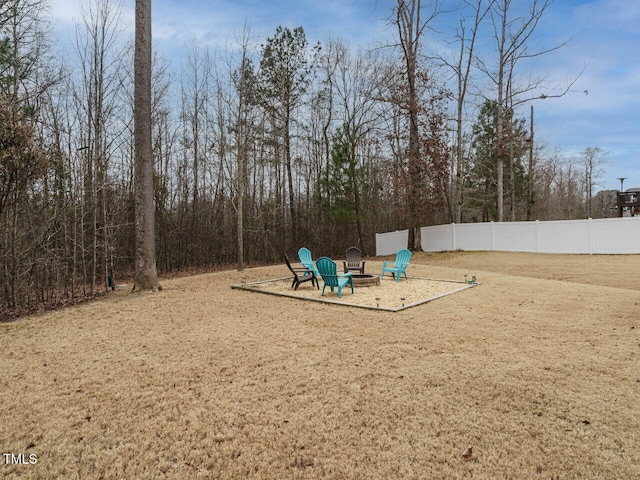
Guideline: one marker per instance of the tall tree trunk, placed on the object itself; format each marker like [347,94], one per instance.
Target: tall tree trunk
[501,109]
[146,277]
[409,29]
[287,156]
[530,178]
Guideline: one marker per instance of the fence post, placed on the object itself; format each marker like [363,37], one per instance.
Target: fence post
[590,235]
[537,236]
[454,240]
[493,236]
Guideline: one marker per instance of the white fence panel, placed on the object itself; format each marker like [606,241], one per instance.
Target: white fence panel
[439,238]
[515,237]
[564,236]
[391,242]
[601,236]
[467,238]
[616,235]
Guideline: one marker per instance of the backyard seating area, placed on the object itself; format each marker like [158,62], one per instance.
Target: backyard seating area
[365,290]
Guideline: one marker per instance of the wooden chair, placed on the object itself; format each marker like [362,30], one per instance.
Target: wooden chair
[329,273]
[301,275]
[353,260]
[398,267]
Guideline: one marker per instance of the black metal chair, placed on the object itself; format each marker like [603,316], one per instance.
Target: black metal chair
[354,260]
[301,275]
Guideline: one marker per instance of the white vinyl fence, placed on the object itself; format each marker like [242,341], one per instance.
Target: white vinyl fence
[391,242]
[601,236]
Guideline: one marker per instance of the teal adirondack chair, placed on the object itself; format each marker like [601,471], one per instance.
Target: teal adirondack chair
[304,254]
[398,267]
[329,273]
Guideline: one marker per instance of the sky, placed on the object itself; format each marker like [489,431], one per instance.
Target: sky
[602,108]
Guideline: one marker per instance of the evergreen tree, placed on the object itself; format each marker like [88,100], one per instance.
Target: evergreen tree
[344,181]
[482,185]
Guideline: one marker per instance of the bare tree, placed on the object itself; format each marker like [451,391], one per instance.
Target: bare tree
[97,92]
[411,27]
[513,35]
[462,67]
[287,66]
[146,277]
[245,84]
[592,158]
[356,82]
[561,188]
[410,30]
[196,98]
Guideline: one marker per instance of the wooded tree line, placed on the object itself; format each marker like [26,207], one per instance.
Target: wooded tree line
[262,148]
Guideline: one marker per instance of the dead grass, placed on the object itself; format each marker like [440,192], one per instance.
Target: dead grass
[537,368]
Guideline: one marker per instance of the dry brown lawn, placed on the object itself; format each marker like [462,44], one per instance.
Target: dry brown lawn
[537,368]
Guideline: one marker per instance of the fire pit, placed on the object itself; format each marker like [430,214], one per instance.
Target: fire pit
[364,280]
